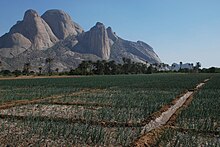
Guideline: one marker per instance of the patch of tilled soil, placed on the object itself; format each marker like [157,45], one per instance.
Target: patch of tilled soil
[58,111]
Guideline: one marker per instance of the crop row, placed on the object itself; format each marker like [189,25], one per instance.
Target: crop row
[132,98]
[199,123]
[36,132]
[38,88]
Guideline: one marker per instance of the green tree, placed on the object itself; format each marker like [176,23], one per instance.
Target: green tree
[57,70]
[49,62]
[212,69]
[40,70]
[197,67]
[26,68]
[99,67]
[85,68]
[126,66]
[181,64]
[0,65]
[150,69]
[17,73]
[112,67]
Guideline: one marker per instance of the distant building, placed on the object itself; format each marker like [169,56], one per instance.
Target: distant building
[177,67]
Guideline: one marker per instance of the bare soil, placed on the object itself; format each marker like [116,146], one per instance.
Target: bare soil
[37,77]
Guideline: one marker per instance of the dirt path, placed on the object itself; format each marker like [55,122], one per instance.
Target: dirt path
[78,104]
[37,77]
[109,124]
[152,131]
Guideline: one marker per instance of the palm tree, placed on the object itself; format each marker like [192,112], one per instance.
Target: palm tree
[112,67]
[0,65]
[181,64]
[99,67]
[57,70]
[49,61]
[191,65]
[198,65]
[26,69]
[40,70]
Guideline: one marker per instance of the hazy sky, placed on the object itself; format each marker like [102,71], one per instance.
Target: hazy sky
[178,30]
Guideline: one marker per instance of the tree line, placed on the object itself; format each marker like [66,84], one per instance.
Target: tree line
[103,67]
[112,68]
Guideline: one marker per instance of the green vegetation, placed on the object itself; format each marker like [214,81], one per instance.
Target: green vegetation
[198,125]
[126,100]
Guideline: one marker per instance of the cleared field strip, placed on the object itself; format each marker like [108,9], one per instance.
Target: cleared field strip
[78,104]
[154,128]
[14,103]
[72,121]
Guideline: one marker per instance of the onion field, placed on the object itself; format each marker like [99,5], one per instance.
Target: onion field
[199,124]
[106,110]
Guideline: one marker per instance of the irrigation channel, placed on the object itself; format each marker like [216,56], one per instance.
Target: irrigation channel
[152,130]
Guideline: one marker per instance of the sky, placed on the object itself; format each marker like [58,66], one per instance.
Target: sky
[178,30]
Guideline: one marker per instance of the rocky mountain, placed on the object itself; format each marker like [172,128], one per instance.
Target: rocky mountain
[95,41]
[31,32]
[61,24]
[55,35]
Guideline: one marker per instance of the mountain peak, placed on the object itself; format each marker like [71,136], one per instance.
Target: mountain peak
[30,14]
[35,29]
[96,41]
[111,34]
[54,11]
[55,33]
[99,24]
[109,28]
[61,23]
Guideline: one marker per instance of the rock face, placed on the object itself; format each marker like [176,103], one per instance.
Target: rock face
[61,24]
[14,40]
[133,50]
[13,45]
[55,35]
[111,34]
[32,32]
[34,28]
[95,41]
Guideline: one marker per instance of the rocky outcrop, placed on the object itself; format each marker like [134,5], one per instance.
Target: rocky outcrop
[14,40]
[136,51]
[95,41]
[34,29]
[13,45]
[55,35]
[61,24]
[111,34]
